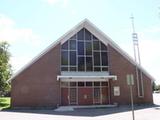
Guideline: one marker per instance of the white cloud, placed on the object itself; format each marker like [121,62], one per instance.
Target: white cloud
[64,3]
[149,43]
[51,2]
[5,21]
[73,12]
[9,32]
[19,61]
[17,37]
[150,48]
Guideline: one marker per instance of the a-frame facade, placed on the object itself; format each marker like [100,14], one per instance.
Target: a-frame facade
[83,67]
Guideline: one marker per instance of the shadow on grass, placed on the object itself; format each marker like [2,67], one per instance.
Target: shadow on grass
[89,112]
[4,103]
[2,100]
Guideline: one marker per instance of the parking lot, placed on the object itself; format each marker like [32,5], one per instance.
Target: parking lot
[143,112]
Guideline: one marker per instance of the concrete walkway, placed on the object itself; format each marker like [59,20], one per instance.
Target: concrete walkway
[72,108]
[118,113]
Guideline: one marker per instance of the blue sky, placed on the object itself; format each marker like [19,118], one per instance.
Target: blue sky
[32,25]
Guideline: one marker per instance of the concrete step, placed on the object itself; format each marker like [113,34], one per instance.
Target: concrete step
[71,108]
[64,108]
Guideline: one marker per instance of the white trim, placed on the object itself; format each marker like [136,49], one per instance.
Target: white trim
[95,31]
[73,73]
[86,78]
[66,36]
[142,82]
[106,40]
[109,92]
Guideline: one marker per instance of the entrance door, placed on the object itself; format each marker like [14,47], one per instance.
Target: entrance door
[97,96]
[73,96]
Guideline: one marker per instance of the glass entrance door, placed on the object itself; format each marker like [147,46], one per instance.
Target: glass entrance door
[97,96]
[73,96]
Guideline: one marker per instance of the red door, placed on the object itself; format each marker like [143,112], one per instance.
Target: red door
[64,96]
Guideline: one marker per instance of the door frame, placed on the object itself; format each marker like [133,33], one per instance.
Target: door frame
[99,97]
[69,94]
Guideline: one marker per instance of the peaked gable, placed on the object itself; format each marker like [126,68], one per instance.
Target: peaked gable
[96,32]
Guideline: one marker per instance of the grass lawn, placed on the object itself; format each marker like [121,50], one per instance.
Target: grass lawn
[4,102]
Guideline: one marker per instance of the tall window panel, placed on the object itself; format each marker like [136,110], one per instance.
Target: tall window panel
[97,59]
[64,58]
[80,48]
[81,64]
[89,64]
[72,44]
[65,46]
[73,58]
[88,48]
[104,56]
[80,34]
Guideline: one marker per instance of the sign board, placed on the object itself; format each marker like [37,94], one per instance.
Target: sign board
[130,79]
[130,82]
[116,91]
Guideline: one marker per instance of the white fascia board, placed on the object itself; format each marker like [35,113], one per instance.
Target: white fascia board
[95,31]
[34,59]
[107,40]
[85,73]
[64,37]
[83,80]
[87,78]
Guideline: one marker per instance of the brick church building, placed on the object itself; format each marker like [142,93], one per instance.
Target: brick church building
[83,67]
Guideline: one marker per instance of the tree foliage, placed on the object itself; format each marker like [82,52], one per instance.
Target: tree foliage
[5,68]
[155,87]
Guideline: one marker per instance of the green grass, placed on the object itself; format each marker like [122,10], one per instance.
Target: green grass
[4,102]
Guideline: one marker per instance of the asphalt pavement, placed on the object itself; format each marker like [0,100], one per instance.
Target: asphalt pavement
[142,112]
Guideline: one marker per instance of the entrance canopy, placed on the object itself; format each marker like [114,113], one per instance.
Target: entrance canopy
[85,76]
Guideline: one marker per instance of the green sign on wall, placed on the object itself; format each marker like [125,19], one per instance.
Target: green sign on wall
[130,79]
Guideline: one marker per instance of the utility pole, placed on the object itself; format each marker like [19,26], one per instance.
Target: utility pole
[135,43]
[130,82]
[139,77]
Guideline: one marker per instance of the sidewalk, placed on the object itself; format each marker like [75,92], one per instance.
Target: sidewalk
[117,113]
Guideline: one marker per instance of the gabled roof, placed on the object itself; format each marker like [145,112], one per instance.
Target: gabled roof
[95,31]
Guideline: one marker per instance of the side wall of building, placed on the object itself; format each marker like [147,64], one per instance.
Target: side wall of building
[37,86]
[120,66]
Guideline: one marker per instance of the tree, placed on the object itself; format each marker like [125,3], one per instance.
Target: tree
[5,68]
[153,86]
[157,87]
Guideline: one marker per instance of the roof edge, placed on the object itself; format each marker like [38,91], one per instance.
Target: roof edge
[43,52]
[121,51]
[83,22]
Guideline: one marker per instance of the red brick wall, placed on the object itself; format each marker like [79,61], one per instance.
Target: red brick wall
[120,66]
[105,99]
[37,86]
